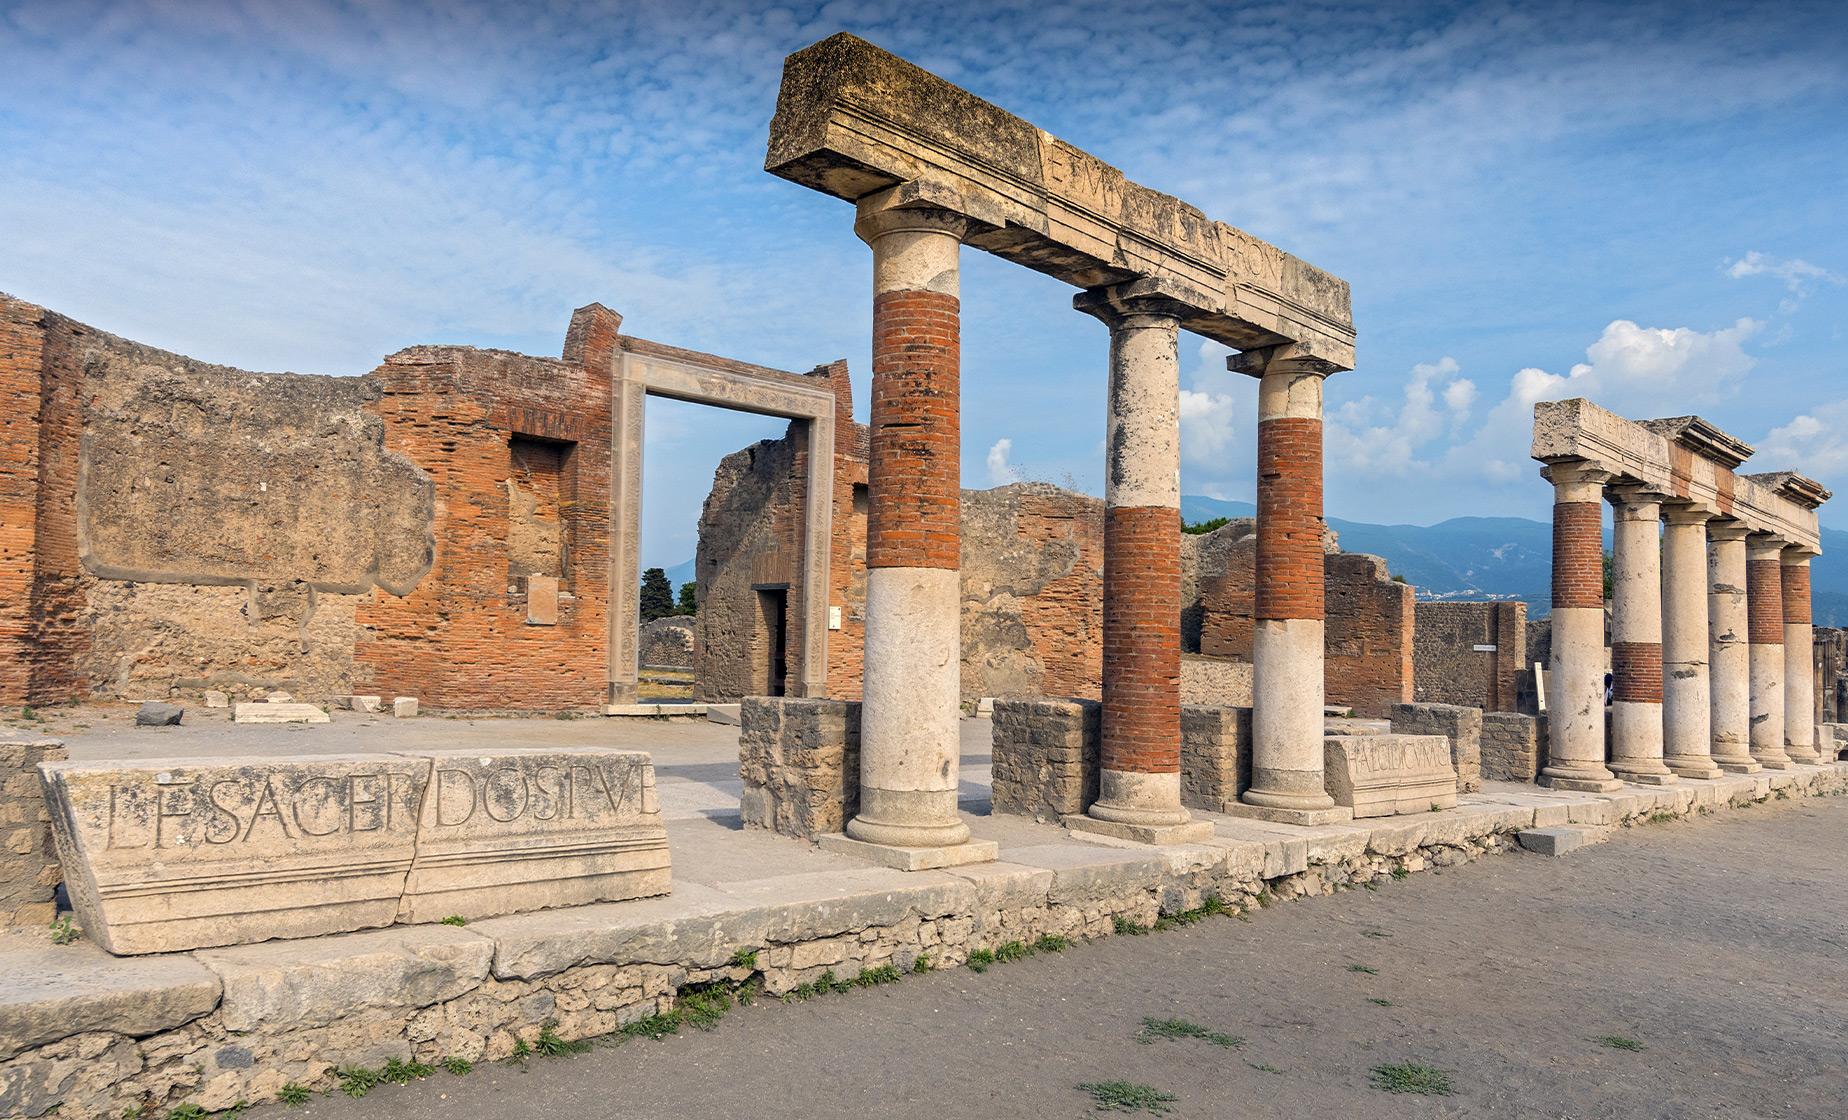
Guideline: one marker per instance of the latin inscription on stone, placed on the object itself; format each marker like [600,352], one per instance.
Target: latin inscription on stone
[1381,775]
[188,853]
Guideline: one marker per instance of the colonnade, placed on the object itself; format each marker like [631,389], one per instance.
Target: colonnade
[1710,639]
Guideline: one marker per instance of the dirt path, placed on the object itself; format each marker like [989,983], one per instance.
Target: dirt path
[1720,945]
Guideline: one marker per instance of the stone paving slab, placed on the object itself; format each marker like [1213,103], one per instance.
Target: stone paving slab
[48,992]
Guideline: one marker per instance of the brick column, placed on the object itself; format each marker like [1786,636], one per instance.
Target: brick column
[1730,662]
[1764,592]
[1799,659]
[1687,717]
[909,737]
[1139,780]
[1575,695]
[1636,637]
[1287,631]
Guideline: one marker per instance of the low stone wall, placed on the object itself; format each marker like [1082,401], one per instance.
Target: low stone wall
[799,759]
[28,864]
[1045,756]
[1836,733]
[1513,746]
[1215,755]
[94,1037]
[1461,725]
[667,643]
[1215,682]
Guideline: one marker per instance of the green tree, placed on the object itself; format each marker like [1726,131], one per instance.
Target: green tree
[689,602]
[657,594]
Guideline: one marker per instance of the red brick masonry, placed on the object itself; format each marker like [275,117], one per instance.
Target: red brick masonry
[1289,566]
[1764,596]
[1637,669]
[1796,588]
[1578,554]
[1142,640]
[915,513]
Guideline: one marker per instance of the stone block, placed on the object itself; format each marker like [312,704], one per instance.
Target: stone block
[1555,841]
[912,859]
[28,861]
[178,854]
[1513,746]
[56,991]
[1215,755]
[799,759]
[541,600]
[290,985]
[1461,725]
[1187,832]
[359,703]
[520,830]
[278,711]
[155,714]
[1384,775]
[216,699]
[1045,756]
[404,707]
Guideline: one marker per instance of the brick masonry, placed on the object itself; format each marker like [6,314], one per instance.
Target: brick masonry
[916,426]
[1449,668]
[1636,672]
[1764,605]
[1045,756]
[1290,523]
[799,759]
[1142,640]
[1578,554]
[28,864]
[1462,726]
[1513,746]
[1795,579]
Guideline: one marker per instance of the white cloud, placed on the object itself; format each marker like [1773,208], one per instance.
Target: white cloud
[1000,471]
[1814,443]
[1800,277]
[1207,432]
[1367,435]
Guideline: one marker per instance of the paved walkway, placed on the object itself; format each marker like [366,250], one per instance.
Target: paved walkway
[1721,946]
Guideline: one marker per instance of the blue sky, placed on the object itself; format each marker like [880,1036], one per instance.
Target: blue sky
[1639,203]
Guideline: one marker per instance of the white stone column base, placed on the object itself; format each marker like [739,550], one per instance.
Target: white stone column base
[1738,765]
[1588,784]
[1187,832]
[1334,814]
[911,859]
[1694,767]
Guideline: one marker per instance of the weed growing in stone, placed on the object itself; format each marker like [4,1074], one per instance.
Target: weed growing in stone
[657,1026]
[403,1073]
[455,920]
[1129,926]
[744,958]
[703,1006]
[234,1111]
[458,1066]
[1265,897]
[1012,951]
[357,1081]
[1127,1096]
[1380,1002]
[1401,871]
[922,964]
[1368,969]
[1410,1077]
[1211,907]
[1051,943]
[521,1050]
[883,974]
[293,1094]
[63,931]
[1619,1042]
[187,1112]
[1153,1029]
[1660,817]
[550,1045]
[980,959]
[138,1111]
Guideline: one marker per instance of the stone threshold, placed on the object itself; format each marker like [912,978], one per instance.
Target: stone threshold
[94,1035]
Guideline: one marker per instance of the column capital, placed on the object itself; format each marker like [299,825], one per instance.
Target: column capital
[1148,301]
[871,226]
[1633,498]
[1576,480]
[1795,555]
[1684,513]
[1726,529]
[1764,546]
[1288,357]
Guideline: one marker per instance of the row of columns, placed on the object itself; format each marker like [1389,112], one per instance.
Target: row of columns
[909,754]
[1710,641]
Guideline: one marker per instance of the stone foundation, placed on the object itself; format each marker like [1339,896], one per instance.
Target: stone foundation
[1461,725]
[1215,756]
[1045,756]
[1513,746]
[94,1036]
[799,759]
[28,864]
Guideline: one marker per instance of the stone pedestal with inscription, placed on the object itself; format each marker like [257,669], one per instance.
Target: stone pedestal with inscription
[1383,775]
[176,854]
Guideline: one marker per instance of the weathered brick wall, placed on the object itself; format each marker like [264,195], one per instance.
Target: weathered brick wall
[28,864]
[1461,725]
[1450,668]
[1032,578]
[799,759]
[1045,756]
[1513,746]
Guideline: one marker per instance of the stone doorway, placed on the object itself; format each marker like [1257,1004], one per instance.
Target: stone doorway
[773,640]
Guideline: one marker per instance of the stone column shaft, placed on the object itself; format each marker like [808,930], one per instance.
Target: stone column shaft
[1687,716]
[1799,660]
[1139,783]
[910,741]
[1636,637]
[1575,700]
[1287,642]
[1764,584]
[1730,663]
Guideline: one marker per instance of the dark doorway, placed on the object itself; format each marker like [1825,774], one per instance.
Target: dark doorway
[772,613]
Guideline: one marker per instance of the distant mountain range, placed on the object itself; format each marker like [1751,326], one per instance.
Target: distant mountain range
[1503,557]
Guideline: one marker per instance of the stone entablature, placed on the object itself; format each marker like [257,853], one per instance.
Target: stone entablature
[1686,459]
[853,120]
[175,854]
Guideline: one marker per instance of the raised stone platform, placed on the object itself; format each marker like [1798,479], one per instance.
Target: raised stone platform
[95,1034]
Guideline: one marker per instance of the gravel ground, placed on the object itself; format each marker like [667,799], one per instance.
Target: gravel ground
[1718,945]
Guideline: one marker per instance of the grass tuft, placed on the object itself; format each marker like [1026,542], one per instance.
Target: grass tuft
[744,958]
[458,1066]
[455,920]
[1401,871]
[1368,969]
[921,965]
[1051,943]
[293,1094]
[1129,926]
[1128,1096]
[1410,1077]
[980,959]
[357,1081]
[550,1045]
[1153,1029]
[1380,1002]
[1619,1042]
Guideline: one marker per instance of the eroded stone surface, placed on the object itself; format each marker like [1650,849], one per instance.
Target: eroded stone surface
[1382,775]
[56,991]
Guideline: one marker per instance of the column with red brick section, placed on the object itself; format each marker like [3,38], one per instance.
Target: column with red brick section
[1731,662]
[909,736]
[1636,637]
[1575,692]
[1139,781]
[1287,620]
[1799,655]
[1764,595]
[1687,716]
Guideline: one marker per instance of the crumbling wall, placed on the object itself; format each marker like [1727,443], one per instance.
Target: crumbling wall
[28,861]
[1470,654]
[1032,604]
[746,538]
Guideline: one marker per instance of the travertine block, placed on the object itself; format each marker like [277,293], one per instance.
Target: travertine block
[799,759]
[1045,756]
[1380,775]
[404,707]
[533,829]
[277,711]
[182,853]
[1461,725]
[1215,755]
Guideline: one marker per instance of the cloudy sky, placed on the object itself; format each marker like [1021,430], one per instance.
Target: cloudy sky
[1640,203]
